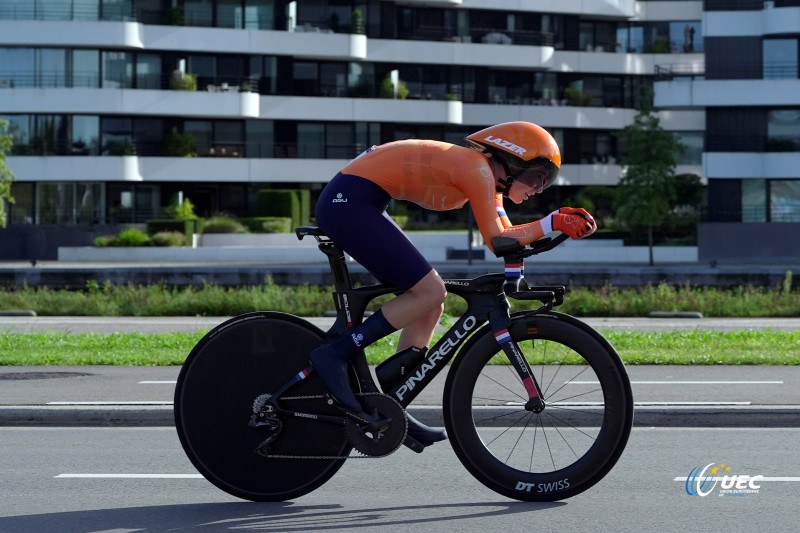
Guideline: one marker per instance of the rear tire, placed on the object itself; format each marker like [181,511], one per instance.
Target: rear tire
[566,448]
[234,363]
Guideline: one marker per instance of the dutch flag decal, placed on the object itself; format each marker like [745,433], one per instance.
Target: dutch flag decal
[502,336]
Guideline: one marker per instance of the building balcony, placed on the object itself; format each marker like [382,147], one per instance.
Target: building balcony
[770,18]
[687,93]
[458,53]
[737,165]
[137,36]
[116,169]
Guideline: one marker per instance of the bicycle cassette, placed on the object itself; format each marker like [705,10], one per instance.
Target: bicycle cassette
[377,439]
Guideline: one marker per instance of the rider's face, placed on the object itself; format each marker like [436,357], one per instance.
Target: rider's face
[520,192]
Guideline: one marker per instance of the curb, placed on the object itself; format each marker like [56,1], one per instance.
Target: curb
[162,416]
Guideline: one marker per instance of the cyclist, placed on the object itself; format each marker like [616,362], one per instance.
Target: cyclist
[514,160]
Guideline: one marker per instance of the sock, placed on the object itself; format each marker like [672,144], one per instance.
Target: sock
[330,360]
[372,329]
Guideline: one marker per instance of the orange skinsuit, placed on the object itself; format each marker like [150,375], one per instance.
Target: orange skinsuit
[442,176]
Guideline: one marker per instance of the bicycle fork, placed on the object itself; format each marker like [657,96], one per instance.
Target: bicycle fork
[500,322]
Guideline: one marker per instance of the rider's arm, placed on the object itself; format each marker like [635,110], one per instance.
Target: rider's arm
[492,220]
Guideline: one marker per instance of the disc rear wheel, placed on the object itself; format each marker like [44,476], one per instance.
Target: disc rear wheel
[229,369]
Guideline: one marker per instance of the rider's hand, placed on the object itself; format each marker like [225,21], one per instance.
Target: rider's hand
[574,221]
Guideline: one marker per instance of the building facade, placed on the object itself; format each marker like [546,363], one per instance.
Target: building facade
[751,94]
[119,106]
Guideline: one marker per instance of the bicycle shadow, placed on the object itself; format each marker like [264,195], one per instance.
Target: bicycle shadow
[266,517]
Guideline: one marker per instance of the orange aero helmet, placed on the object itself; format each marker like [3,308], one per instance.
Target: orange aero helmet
[527,152]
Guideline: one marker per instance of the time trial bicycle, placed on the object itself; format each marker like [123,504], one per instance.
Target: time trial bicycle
[537,404]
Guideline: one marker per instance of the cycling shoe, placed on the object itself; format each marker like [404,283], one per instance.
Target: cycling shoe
[332,368]
[423,434]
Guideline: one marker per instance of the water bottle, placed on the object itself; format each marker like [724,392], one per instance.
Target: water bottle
[395,369]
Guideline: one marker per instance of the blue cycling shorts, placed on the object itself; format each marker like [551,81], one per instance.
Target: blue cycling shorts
[352,211]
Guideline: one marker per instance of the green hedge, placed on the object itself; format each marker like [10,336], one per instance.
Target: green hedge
[187,227]
[268,224]
[291,203]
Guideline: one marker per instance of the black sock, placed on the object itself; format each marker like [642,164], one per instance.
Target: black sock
[372,329]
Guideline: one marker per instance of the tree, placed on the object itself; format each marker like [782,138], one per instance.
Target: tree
[647,191]
[6,176]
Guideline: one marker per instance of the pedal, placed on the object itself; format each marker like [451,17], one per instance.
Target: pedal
[413,444]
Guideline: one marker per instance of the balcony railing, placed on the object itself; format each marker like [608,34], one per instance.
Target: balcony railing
[679,70]
[751,143]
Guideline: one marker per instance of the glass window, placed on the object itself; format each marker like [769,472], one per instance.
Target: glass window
[17,67]
[304,77]
[52,10]
[117,10]
[333,79]
[51,67]
[311,140]
[229,13]
[784,200]
[149,136]
[783,130]
[201,130]
[117,136]
[69,203]
[85,68]
[686,37]
[258,15]
[339,142]
[780,58]
[198,12]
[117,70]
[260,138]
[19,127]
[204,67]
[85,10]
[148,71]
[50,136]
[693,144]
[85,135]
[754,200]
[360,80]
[21,211]
[229,138]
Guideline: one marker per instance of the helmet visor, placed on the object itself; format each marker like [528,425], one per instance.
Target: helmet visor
[537,177]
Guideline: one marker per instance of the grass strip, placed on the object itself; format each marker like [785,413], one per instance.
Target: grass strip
[698,347]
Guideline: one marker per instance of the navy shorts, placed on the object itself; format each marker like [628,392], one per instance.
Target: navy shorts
[352,211]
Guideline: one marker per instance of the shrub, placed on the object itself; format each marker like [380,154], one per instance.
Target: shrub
[268,224]
[132,237]
[223,224]
[178,144]
[168,238]
[104,241]
[278,203]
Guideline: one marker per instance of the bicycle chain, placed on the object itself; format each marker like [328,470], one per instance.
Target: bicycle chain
[324,457]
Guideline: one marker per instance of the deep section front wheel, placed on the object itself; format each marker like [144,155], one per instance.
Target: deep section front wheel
[561,451]
[233,365]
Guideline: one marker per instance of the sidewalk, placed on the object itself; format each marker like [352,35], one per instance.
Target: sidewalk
[713,396]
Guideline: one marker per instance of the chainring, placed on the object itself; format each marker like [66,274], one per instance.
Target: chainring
[378,441]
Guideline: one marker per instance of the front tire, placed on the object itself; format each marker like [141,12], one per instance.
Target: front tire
[561,451]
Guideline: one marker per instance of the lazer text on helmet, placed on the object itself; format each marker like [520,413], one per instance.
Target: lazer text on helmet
[505,144]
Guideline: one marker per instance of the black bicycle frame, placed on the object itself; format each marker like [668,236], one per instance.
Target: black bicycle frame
[486,302]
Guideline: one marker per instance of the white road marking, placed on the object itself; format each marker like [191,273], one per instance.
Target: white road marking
[141,402]
[158,382]
[131,476]
[662,382]
[717,478]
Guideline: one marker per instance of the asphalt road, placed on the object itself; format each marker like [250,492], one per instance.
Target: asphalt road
[50,479]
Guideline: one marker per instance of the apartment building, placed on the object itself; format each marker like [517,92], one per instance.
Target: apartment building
[119,106]
[751,94]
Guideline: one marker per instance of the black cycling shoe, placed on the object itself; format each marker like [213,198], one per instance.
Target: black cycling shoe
[423,434]
[332,368]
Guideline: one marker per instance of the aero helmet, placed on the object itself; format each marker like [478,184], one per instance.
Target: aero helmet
[527,152]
